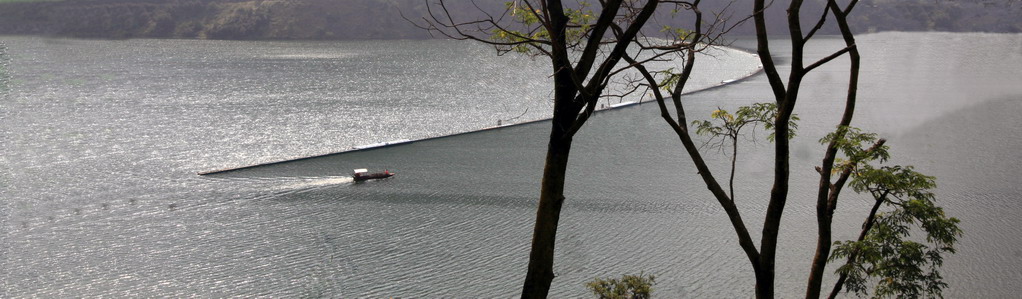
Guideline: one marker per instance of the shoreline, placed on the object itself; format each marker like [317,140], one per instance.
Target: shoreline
[386,144]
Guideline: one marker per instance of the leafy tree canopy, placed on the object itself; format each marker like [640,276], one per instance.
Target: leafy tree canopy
[886,256]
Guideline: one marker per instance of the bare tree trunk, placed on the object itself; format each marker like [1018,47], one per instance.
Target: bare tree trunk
[576,86]
[786,97]
[734,159]
[764,280]
[828,193]
[541,258]
[772,221]
[569,100]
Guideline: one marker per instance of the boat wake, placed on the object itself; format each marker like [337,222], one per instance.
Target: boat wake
[297,183]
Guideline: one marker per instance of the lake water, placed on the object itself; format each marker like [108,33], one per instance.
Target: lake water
[102,141]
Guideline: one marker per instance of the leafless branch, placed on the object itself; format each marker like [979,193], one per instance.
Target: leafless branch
[828,58]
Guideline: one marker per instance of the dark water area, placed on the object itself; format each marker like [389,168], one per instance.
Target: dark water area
[457,219]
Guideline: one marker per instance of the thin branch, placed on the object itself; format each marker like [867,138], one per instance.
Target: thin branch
[603,23]
[680,128]
[763,49]
[819,24]
[829,58]
[590,94]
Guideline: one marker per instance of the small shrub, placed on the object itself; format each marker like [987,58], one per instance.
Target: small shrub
[628,287]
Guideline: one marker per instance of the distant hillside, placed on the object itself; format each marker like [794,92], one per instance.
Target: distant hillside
[381,19]
[212,19]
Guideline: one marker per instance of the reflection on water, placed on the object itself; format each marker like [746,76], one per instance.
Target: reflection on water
[105,138]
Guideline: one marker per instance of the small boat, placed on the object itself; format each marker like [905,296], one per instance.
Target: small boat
[363,174]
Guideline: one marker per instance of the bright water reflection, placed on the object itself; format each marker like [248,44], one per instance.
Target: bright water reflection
[102,140]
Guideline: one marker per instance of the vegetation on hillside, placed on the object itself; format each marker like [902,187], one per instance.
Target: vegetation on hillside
[382,19]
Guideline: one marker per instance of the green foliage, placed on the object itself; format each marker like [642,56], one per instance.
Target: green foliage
[887,257]
[727,126]
[628,287]
[897,181]
[678,33]
[901,268]
[671,79]
[851,141]
[526,40]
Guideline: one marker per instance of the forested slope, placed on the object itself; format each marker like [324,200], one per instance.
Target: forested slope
[382,19]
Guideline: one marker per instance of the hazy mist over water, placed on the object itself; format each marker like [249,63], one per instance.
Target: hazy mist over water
[102,140]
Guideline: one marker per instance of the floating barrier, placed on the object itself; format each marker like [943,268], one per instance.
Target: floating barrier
[499,126]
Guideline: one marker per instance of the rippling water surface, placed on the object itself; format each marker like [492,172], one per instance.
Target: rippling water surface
[102,140]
